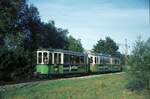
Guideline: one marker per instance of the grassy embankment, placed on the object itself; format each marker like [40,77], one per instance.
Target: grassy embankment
[105,86]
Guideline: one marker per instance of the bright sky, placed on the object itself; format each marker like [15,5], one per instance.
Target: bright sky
[90,20]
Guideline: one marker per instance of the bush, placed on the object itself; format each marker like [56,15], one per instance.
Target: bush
[135,85]
[16,64]
[139,66]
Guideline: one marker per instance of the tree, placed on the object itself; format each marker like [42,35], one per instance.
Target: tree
[8,18]
[139,66]
[106,46]
[74,45]
[21,33]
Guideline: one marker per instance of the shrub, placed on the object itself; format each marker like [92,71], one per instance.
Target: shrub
[139,66]
[16,64]
[135,85]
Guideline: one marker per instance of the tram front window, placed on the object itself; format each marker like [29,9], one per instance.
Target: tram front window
[39,58]
[91,59]
[45,58]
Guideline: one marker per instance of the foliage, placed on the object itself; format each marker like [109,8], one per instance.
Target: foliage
[15,64]
[8,17]
[21,33]
[139,63]
[9,10]
[135,85]
[74,45]
[106,46]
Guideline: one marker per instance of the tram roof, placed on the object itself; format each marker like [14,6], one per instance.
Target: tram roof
[100,54]
[76,53]
[68,52]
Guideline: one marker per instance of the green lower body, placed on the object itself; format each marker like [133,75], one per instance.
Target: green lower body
[60,69]
[104,68]
[42,69]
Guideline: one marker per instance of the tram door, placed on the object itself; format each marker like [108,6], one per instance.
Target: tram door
[58,62]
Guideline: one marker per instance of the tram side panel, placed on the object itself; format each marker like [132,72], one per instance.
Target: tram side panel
[65,63]
[116,64]
[74,64]
[104,63]
[98,64]
[56,63]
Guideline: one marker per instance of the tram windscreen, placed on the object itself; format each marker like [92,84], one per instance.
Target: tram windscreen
[39,58]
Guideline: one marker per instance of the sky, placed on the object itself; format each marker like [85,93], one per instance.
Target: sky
[91,20]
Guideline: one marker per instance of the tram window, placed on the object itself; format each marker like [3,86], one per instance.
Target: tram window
[50,58]
[45,58]
[71,59]
[107,59]
[82,59]
[98,60]
[40,57]
[66,59]
[55,58]
[101,59]
[91,59]
[45,54]
[77,59]
[59,58]
[95,60]
[116,61]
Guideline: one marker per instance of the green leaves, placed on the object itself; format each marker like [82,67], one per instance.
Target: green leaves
[74,45]
[139,62]
[105,46]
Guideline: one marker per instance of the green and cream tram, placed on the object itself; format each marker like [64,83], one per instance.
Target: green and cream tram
[103,63]
[56,62]
[61,62]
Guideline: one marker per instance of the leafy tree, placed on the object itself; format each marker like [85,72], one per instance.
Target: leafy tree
[52,37]
[106,46]
[21,33]
[8,18]
[15,65]
[74,45]
[9,10]
[139,66]
[33,28]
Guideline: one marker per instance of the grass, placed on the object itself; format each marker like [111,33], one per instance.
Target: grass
[105,86]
